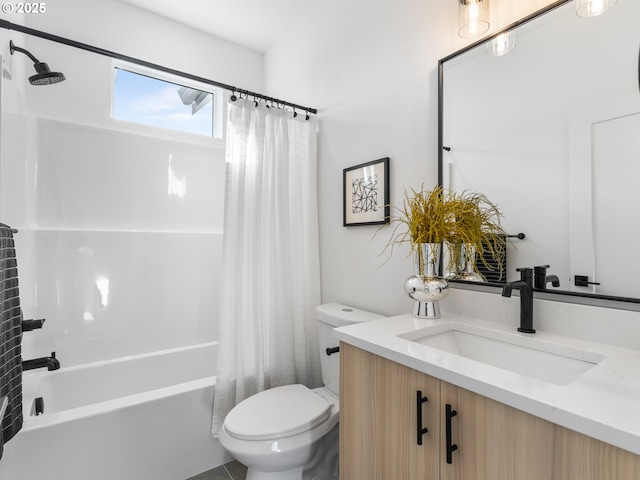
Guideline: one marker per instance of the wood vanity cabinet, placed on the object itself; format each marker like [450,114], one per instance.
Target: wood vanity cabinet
[379,432]
[495,441]
[379,419]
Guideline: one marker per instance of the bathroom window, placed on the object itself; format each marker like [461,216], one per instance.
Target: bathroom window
[150,98]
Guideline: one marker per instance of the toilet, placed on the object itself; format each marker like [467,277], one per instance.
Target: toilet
[291,432]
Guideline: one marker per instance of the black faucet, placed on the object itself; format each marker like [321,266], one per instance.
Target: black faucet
[541,279]
[525,285]
[51,363]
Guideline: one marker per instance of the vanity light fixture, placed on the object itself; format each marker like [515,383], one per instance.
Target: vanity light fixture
[473,18]
[592,8]
[502,44]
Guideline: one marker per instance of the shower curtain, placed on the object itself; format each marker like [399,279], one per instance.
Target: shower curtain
[270,273]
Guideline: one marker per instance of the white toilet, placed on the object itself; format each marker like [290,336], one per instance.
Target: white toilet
[291,432]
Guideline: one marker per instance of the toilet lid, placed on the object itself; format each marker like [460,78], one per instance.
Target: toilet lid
[277,413]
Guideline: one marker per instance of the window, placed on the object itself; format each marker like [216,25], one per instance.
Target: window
[150,100]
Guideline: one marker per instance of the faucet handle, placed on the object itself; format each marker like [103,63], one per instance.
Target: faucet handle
[525,272]
[540,276]
[541,279]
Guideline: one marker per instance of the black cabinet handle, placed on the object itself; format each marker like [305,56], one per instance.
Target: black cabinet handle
[451,447]
[420,430]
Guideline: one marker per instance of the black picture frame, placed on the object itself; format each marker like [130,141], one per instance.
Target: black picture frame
[365,194]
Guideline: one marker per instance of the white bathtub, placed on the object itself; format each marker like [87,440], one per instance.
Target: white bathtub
[137,418]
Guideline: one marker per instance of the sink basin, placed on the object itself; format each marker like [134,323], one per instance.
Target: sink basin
[544,360]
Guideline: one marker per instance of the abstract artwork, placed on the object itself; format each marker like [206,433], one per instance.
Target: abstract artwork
[366,193]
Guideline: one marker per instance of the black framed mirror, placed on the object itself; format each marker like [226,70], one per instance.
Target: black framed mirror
[549,132]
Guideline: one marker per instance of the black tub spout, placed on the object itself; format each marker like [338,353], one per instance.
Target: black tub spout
[52,363]
[29,325]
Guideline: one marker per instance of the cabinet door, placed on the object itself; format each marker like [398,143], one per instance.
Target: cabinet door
[494,441]
[579,457]
[378,419]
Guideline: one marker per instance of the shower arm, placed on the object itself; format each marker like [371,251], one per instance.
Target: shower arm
[13,48]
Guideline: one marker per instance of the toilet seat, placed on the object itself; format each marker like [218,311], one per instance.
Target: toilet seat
[277,413]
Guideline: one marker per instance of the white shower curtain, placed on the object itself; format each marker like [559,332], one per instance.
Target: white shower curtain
[270,274]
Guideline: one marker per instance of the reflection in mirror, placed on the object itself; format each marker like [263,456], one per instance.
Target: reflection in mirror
[549,132]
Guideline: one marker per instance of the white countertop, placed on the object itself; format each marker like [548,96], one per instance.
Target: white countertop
[603,403]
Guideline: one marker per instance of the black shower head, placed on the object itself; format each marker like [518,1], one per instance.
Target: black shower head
[43,76]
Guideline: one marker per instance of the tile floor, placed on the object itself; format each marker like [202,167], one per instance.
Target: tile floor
[229,471]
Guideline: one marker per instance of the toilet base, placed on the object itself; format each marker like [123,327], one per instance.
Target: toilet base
[323,465]
[294,474]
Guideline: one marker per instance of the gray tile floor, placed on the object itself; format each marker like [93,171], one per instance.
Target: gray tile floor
[229,471]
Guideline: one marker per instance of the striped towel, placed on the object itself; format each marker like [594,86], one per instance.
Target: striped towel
[10,337]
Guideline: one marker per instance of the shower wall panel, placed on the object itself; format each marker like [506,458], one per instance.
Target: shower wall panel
[89,177]
[128,241]
[111,294]
[120,235]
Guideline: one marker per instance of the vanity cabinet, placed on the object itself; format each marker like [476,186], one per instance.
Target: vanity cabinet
[495,441]
[379,412]
[379,419]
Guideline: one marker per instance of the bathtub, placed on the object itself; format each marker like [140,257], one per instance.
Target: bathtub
[141,417]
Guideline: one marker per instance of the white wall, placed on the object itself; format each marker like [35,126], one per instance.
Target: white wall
[371,70]
[116,263]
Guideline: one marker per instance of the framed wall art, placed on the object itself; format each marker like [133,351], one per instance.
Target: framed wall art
[366,193]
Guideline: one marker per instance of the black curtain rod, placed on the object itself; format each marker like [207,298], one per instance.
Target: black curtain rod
[90,48]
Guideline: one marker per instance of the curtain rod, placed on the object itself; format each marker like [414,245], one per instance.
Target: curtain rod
[100,51]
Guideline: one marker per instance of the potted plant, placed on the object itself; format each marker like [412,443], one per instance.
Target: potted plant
[468,223]
[475,233]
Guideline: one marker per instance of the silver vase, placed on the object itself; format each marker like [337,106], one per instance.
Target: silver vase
[427,286]
[466,268]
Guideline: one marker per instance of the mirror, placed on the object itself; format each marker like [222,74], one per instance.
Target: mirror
[550,132]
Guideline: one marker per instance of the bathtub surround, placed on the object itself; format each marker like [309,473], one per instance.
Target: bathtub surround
[103,235]
[270,274]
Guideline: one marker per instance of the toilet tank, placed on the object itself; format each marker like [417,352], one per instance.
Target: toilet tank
[330,316]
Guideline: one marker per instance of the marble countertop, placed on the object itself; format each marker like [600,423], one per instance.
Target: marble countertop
[603,402]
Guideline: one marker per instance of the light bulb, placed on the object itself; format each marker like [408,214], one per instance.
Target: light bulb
[473,18]
[502,44]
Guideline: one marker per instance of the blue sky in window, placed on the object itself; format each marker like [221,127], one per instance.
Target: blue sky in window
[150,101]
